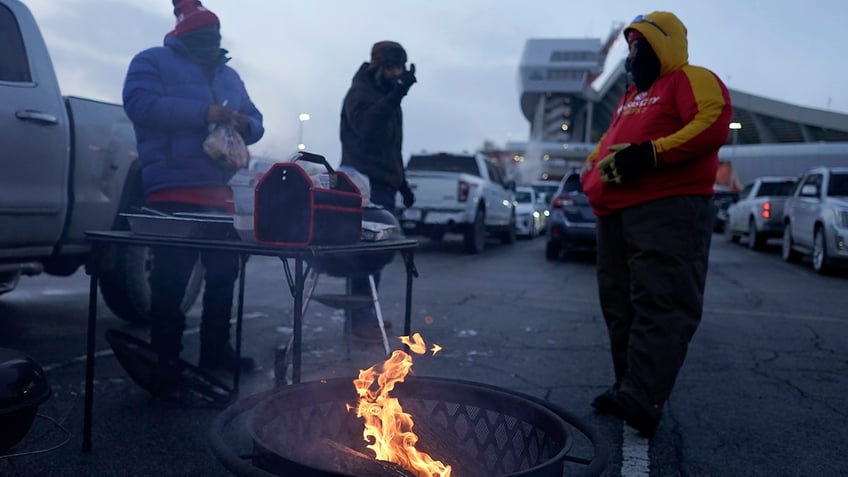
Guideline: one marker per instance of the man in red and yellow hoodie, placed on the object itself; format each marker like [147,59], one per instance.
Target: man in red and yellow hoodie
[650,182]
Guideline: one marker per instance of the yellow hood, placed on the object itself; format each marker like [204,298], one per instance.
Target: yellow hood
[670,43]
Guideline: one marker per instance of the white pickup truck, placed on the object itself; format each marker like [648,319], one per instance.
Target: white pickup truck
[68,166]
[459,193]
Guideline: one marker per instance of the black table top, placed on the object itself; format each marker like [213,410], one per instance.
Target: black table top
[253,248]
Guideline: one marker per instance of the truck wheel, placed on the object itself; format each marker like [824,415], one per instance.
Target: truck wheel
[552,251]
[821,263]
[787,251]
[125,288]
[8,281]
[508,236]
[755,240]
[729,236]
[474,239]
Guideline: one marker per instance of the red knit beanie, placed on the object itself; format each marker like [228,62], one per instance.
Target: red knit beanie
[191,16]
[632,35]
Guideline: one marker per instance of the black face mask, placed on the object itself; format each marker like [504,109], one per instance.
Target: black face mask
[204,45]
[644,67]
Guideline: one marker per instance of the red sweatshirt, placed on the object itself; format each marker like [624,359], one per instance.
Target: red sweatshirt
[686,114]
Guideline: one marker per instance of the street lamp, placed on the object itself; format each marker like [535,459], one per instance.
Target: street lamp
[735,126]
[302,117]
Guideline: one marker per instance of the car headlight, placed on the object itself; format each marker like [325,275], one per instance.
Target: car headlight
[840,217]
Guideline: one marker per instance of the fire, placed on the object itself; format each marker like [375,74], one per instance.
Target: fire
[388,429]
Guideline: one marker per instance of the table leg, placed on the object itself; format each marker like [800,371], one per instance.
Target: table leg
[297,325]
[239,319]
[409,263]
[89,363]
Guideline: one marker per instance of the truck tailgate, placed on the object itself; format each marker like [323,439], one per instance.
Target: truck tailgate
[436,190]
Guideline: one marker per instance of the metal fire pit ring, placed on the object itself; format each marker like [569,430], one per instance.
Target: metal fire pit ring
[479,405]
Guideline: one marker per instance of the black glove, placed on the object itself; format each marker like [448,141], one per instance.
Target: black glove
[406,80]
[408,196]
[627,161]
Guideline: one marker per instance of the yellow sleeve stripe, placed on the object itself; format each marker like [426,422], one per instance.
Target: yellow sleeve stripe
[709,102]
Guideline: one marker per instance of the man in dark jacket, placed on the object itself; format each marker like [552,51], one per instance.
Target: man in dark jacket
[173,94]
[371,134]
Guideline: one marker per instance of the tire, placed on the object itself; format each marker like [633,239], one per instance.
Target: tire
[729,236]
[787,252]
[755,240]
[552,251]
[474,239]
[821,262]
[508,237]
[9,281]
[125,288]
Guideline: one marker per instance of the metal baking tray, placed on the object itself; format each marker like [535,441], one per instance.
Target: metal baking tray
[202,226]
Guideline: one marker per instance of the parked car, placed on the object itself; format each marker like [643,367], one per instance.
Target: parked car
[466,193]
[529,212]
[545,190]
[571,225]
[69,166]
[759,211]
[723,197]
[815,218]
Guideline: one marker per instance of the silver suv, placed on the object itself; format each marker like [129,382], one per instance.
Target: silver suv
[815,218]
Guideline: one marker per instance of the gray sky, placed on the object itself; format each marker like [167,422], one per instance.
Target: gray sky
[299,56]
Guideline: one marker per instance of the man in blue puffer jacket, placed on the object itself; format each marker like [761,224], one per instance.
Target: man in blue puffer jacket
[172,94]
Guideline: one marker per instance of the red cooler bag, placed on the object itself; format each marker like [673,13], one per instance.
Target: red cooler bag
[290,210]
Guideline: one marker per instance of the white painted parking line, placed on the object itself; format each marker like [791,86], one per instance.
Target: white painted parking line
[635,458]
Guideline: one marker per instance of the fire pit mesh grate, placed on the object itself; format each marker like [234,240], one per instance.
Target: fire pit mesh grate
[477,430]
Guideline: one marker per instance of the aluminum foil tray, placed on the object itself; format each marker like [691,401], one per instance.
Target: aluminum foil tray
[184,225]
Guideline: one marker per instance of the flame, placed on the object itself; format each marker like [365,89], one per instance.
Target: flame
[388,429]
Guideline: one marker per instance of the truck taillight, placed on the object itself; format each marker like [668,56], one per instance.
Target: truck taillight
[766,210]
[462,189]
[559,202]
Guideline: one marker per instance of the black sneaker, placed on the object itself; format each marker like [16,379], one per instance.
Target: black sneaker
[225,359]
[604,403]
[627,409]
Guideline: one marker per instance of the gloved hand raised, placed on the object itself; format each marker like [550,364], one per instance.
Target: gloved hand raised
[406,80]
[407,194]
[627,161]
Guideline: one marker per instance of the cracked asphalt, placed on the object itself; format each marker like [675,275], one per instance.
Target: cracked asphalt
[762,391]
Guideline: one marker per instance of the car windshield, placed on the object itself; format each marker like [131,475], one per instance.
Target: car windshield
[523,196]
[444,163]
[776,189]
[838,186]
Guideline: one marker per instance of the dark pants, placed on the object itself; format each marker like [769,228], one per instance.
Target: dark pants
[652,267]
[172,268]
[384,196]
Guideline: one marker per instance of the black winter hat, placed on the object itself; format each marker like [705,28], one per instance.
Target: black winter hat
[387,53]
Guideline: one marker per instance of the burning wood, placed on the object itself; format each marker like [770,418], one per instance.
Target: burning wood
[388,429]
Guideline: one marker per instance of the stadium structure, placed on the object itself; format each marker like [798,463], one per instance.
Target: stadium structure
[568,113]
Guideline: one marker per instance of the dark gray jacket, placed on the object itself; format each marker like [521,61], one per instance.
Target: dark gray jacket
[371,129]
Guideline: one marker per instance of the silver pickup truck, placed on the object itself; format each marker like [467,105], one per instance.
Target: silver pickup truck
[758,213]
[68,165]
[815,219]
[460,193]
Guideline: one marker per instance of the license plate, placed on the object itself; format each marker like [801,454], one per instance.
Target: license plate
[412,214]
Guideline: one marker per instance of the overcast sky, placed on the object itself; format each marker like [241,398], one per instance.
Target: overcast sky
[299,56]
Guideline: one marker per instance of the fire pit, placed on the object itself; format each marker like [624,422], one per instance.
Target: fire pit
[306,429]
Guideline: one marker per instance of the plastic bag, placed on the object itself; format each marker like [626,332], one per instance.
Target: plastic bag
[224,143]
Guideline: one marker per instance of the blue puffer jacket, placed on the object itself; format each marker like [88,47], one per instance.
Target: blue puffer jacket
[165,96]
